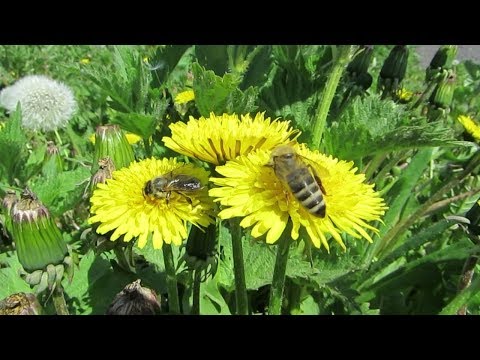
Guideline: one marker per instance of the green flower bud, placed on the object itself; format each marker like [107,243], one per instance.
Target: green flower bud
[135,299]
[7,203]
[20,304]
[110,141]
[442,95]
[201,250]
[360,63]
[393,69]
[38,240]
[53,162]
[441,62]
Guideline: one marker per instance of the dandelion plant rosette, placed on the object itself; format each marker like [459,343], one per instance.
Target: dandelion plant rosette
[251,190]
[120,206]
[224,137]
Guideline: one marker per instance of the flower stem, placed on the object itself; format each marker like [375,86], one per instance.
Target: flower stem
[173,301]
[278,281]
[196,293]
[239,269]
[343,56]
[59,301]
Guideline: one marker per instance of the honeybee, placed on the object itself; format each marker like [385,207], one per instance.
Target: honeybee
[301,179]
[161,187]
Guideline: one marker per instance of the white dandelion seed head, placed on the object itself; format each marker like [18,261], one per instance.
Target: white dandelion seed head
[46,104]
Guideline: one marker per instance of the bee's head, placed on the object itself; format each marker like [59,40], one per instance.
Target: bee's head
[282,153]
[147,189]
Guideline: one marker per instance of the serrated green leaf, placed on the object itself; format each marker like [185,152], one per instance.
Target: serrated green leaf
[140,124]
[370,125]
[62,192]
[211,91]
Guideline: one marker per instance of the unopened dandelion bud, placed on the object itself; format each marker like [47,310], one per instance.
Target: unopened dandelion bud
[364,81]
[360,63]
[442,95]
[53,162]
[441,62]
[37,238]
[110,141]
[7,203]
[135,299]
[393,69]
[20,304]
[201,251]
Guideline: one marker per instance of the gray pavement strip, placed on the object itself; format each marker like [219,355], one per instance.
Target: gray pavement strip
[465,52]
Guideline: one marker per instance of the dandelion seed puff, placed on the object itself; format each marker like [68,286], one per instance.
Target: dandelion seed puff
[46,104]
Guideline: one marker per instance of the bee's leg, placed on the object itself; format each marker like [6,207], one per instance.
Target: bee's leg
[167,197]
[317,179]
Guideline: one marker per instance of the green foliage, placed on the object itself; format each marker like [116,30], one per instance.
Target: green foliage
[12,145]
[221,94]
[371,125]
[416,260]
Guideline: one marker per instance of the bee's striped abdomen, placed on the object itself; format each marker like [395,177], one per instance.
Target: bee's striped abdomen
[307,191]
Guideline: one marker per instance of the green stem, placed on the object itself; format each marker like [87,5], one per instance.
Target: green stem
[148,147]
[196,293]
[420,99]
[239,268]
[374,164]
[173,300]
[278,281]
[59,301]
[389,165]
[344,53]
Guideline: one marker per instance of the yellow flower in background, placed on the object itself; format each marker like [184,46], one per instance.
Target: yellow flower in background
[145,59]
[85,61]
[184,97]
[251,190]
[217,139]
[470,126]
[131,138]
[2,125]
[121,205]
[404,95]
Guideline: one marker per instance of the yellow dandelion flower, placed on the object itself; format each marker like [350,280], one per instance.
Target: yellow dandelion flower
[470,126]
[217,139]
[145,59]
[2,125]
[85,61]
[250,189]
[121,205]
[184,97]
[131,138]
[404,95]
